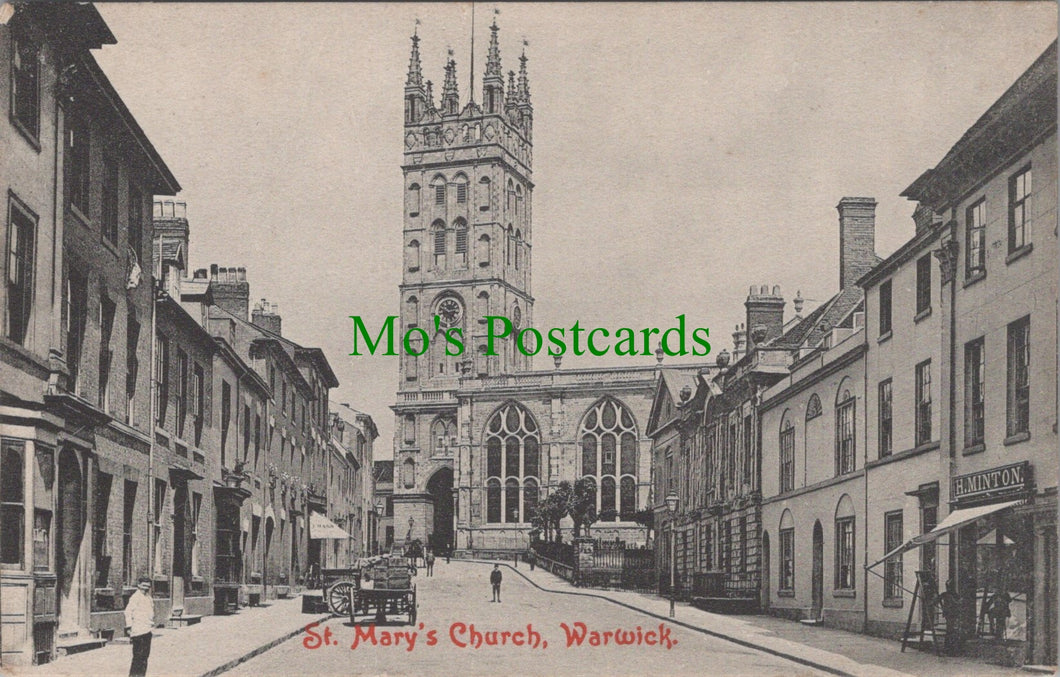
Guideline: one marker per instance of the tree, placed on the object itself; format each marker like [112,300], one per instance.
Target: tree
[582,505]
[554,508]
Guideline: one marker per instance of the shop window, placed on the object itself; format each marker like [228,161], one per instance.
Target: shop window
[12,502]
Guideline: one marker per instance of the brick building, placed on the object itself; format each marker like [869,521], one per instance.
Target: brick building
[75,407]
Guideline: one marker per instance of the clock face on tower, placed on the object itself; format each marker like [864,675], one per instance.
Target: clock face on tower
[449,312]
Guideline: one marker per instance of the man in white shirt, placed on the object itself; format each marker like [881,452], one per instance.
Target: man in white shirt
[139,621]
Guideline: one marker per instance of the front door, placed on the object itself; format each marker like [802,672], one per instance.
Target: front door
[70,531]
[180,543]
[818,571]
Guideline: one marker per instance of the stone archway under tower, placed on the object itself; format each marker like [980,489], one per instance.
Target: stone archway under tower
[440,489]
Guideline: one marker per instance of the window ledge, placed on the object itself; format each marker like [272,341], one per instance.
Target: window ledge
[923,314]
[1017,438]
[483,264]
[32,140]
[849,594]
[1019,253]
[893,603]
[413,214]
[885,336]
[785,593]
[974,276]
[414,269]
[973,449]
[79,215]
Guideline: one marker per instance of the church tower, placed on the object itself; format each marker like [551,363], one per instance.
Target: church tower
[467,240]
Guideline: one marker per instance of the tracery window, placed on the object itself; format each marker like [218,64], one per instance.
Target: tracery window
[609,458]
[443,436]
[513,465]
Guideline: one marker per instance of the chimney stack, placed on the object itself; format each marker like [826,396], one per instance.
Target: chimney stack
[857,239]
[229,290]
[266,317]
[765,315]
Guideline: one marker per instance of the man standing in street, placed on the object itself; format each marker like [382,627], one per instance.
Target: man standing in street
[429,559]
[139,621]
[495,580]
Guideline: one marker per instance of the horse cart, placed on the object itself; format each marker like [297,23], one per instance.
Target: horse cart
[338,586]
[386,590]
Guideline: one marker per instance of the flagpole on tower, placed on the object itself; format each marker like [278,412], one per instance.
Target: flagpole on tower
[471,84]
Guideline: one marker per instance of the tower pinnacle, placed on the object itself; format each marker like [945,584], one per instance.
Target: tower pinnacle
[493,81]
[450,94]
[524,81]
[415,77]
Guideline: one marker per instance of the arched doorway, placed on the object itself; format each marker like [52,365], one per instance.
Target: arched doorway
[818,570]
[440,488]
[766,571]
[70,529]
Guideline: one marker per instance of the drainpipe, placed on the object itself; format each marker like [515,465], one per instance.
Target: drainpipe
[151,516]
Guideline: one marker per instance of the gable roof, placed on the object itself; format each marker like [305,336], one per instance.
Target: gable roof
[815,326]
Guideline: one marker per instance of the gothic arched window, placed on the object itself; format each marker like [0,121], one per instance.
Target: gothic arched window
[460,234]
[482,252]
[460,185]
[508,246]
[513,465]
[609,458]
[813,407]
[438,186]
[443,436]
[412,311]
[438,236]
[482,306]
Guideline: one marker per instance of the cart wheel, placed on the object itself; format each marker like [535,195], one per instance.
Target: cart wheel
[339,598]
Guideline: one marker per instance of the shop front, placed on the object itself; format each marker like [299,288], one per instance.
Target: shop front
[1004,561]
[999,602]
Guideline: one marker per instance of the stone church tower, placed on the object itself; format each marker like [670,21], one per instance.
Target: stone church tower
[467,238]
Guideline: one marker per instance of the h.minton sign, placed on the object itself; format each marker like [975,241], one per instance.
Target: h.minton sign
[995,482]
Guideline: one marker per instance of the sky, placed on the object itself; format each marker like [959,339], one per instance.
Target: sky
[682,152]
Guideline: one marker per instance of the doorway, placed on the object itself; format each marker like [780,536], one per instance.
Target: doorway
[180,543]
[70,530]
[440,488]
[817,587]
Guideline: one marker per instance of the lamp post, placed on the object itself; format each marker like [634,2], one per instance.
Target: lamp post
[671,506]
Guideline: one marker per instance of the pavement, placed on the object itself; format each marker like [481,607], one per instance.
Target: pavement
[827,649]
[269,639]
[210,647]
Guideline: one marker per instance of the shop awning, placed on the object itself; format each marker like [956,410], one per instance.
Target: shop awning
[321,527]
[955,520]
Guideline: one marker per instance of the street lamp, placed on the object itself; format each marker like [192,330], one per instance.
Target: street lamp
[671,506]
